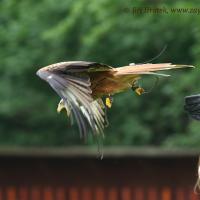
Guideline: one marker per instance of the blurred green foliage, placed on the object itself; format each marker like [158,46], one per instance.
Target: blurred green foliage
[38,33]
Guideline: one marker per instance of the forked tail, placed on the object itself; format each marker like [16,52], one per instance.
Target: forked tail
[139,69]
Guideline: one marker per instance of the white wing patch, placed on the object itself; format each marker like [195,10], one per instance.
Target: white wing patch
[75,92]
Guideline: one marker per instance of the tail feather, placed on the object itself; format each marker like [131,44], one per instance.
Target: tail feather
[148,68]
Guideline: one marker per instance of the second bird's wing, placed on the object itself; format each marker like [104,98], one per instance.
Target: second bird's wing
[192,106]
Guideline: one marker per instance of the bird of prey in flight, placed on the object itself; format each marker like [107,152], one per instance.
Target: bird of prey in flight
[81,86]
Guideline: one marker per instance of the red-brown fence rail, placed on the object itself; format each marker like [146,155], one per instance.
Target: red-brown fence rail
[99,193]
[60,176]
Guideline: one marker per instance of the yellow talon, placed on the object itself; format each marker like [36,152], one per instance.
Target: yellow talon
[61,106]
[108,102]
[139,91]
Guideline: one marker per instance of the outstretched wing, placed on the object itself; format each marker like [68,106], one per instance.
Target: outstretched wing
[74,89]
[78,66]
[192,106]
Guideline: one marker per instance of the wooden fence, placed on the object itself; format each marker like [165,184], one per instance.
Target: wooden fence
[61,175]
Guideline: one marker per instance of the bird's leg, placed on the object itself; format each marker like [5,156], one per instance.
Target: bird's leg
[137,89]
[109,101]
[101,103]
[62,105]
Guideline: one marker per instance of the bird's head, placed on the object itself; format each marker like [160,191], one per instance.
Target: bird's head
[43,74]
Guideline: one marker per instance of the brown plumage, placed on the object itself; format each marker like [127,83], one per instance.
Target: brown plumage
[81,86]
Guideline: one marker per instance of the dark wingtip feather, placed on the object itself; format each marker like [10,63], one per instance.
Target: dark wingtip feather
[192,106]
[192,99]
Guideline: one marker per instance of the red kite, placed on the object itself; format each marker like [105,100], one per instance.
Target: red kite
[81,86]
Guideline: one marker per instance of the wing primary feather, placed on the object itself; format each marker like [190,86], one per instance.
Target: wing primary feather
[76,94]
[192,106]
